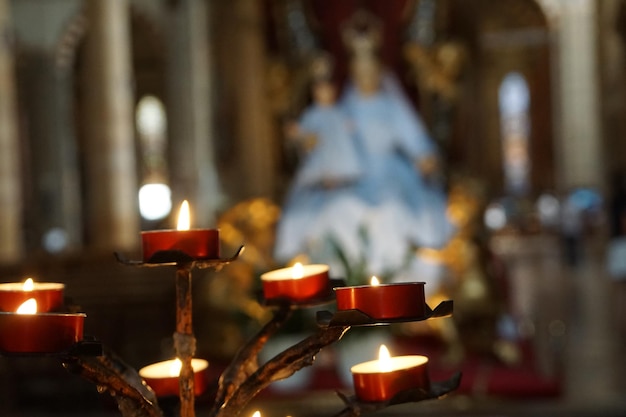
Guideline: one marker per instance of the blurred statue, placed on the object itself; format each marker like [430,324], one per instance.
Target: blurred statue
[401,184]
[369,222]
[329,165]
[325,134]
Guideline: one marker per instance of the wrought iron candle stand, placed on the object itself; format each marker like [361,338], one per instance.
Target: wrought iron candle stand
[184,339]
[244,377]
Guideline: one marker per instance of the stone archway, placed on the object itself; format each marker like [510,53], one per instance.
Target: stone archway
[501,37]
[146,77]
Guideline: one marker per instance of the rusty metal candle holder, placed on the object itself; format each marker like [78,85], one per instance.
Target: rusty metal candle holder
[244,377]
[86,347]
[354,407]
[176,257]
[184,339]
[326,298]
[358,318]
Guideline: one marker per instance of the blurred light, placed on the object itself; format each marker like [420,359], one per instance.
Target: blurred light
[55,240]
[513,94]
[548,207]
[585,199]
[495,217]
[557,328]
[155,201]
[150,116]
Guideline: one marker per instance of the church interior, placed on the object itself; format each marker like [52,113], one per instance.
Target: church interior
[471,145]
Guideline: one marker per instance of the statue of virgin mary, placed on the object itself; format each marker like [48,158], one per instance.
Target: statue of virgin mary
[396,202]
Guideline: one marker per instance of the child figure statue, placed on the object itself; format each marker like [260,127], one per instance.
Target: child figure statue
[324,133]
[369,187]
[330,165]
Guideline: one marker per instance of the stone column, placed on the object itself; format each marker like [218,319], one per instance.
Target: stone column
[613,61]
[111,172]
[54,216]
[10,179]
[579,147]
[256,146]
[190,114]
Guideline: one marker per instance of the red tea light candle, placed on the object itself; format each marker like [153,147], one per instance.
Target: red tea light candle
[163,377]
[49,295]
[197,243]
[27,331]
[380,380]
[388,301]
[297,283]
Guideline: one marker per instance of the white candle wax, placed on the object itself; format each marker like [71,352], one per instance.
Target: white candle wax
[165,369]
[295,272]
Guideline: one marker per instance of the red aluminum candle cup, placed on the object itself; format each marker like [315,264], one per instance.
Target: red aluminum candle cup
[49,296]
[197,243]
[371,384]
[281,283]
[40,333]
[158,377]
[389,301]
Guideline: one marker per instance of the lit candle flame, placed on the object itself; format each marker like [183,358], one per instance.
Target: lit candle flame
[297,271]
[183,216]
[28,285]
[175,367]
[374,282]
[384,359]
[257,413]
[28,307]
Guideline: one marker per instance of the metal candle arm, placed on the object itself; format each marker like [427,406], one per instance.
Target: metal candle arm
[184,340]
[280,367]
[355,408]
[110,374]
[245,362]
[243,379]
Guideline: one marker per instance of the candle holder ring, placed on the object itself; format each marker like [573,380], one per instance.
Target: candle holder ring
[354,407]
[111,374]
[88,347]
[358,318]
[326,298]
[176,257]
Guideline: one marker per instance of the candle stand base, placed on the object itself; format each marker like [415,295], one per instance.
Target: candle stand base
[184,340]
[175,257]
[326,298]
[359,318]
[354,407]
[86,347]
[244,378]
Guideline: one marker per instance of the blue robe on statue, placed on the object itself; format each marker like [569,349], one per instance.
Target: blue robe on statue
[406,209]
[334,158]
[326,174]
[390,203]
